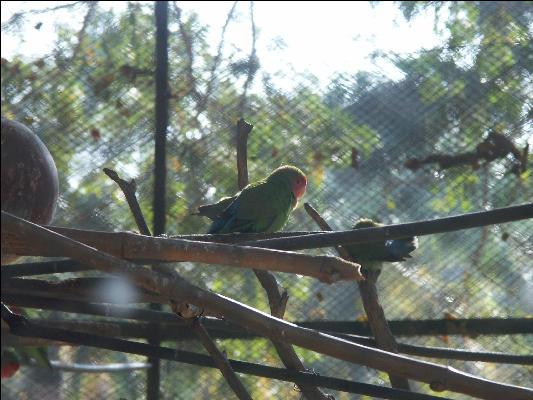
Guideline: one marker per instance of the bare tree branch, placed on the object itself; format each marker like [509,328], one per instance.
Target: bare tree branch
[129,189]
[363,235]
[81,34]
[304,240]
[132,246]
[205,97]
[374,311]
[439,377]
[252,63]
[173,327]
[187,41]
[26,327]
[277,298]
[243,130]
[220,360]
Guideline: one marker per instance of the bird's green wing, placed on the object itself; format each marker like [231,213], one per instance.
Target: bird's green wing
[262,207]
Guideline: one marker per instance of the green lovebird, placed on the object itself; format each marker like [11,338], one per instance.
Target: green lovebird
[372,255]
[263,206]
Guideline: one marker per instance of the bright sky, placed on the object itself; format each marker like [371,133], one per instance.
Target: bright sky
[320,37]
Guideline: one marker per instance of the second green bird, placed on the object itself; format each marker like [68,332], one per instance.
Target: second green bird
[372,255]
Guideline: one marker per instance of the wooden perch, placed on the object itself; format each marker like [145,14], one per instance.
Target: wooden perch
[439,377]
[363,235]
[111,242]
[28,328]
[132,246]
[369,296]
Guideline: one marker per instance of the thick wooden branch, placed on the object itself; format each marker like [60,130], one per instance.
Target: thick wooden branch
[174,329]
[495,146]
[439,377]
[9,339]
[132,246]
[111,242]
[28,328]
[41,268]
[222,329]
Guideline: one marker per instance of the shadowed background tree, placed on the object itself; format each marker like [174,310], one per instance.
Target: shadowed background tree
[91,101]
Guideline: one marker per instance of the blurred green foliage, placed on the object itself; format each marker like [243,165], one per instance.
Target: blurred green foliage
[92,103]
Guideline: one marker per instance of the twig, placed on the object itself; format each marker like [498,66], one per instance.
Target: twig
[22,326]
[305,240]
[191,80]
[369,295]
[439,377]
[252,63]
[220,359]
[45,10]
[81,34]
[243,129]
[129,189]
[205,97]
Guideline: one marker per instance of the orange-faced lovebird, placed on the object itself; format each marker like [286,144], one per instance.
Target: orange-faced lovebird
[263,206]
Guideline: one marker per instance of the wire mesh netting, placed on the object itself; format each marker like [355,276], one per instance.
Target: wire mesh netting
[449,136]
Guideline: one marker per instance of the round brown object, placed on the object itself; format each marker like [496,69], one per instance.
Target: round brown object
[30,186]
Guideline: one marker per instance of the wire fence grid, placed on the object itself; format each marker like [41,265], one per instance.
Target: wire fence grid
[361,140]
